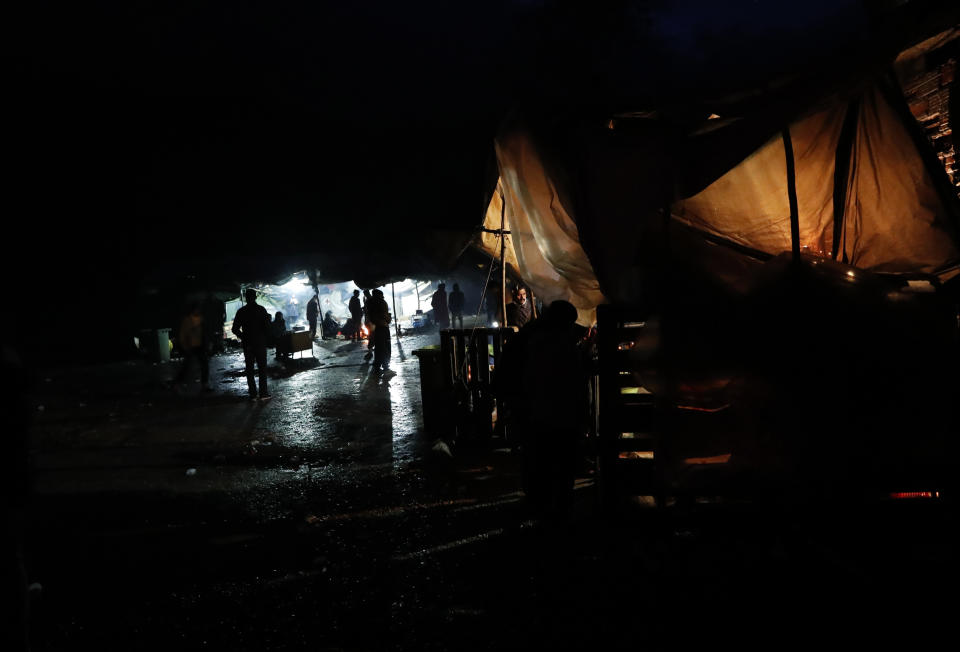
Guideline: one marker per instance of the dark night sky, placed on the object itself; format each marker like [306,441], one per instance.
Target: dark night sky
[271,130]
[232,113]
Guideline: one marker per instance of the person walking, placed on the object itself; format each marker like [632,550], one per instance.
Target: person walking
[193,346]
[379,313]
[356,314]
[252,325]
[438,302]
[455,303]
[313,314]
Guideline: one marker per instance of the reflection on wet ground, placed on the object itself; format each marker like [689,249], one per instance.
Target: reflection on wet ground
[325,520]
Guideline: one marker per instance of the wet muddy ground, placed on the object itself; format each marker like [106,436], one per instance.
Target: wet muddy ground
[324,519]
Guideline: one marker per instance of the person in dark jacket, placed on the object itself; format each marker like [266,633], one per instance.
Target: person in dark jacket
[438,302]
[455,302]
[520,310]
[193,346]
[545,379]
[330,326]
[313,313]
[356,314]
[368,323]
[379,313]
[278,332]
[252,325]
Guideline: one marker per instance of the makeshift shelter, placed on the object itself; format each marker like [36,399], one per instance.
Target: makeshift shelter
[773,265]
[868,191]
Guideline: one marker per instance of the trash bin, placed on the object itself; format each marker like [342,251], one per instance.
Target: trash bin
[436,398]
[155,343]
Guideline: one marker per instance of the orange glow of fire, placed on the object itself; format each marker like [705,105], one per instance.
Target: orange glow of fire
[914,494]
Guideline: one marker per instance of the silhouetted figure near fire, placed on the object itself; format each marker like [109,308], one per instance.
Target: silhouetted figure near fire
[330,326]
[252,326]
[193,347]
[438,302]
[313,314]
[356,314]
[379,313]
[543,376]
[456,302]
[368,323]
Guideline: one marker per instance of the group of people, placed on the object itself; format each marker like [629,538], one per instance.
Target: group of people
[447,308]
[541,379]
[253,327]
[329,326]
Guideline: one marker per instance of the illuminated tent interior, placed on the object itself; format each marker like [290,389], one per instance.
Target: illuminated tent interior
[586,227]
[407,295]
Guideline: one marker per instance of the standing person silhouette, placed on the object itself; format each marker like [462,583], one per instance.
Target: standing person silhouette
[368,323]
[278,332]
[356,314]
[456,302]
[379,313]
[552,409]
[252,326]
[193,345]
[313,314]
[439,304]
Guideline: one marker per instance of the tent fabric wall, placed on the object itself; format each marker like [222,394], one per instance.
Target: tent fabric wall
[544,236]
[893,221]
[749,204]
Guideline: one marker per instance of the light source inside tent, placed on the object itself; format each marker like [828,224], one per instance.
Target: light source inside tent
[291,298]
[294,285]
[412,295]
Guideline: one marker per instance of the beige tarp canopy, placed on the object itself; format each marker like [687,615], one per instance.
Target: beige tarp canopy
[543,243]
[885,210]
[892,217]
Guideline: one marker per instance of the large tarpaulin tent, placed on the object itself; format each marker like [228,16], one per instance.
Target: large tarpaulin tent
[869,194]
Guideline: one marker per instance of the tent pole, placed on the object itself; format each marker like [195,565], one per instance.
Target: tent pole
[503,260]
[792,195]
[841,173]
[396,320]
